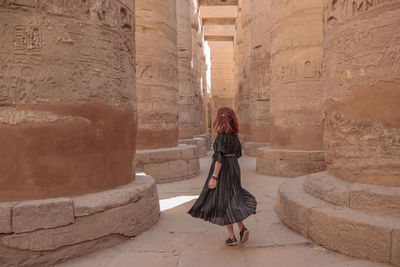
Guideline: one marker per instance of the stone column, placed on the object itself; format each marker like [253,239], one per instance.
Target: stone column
[186,79]
[354,207]
[221,75]
[157,91]
[296,91]
[243,83]
[68,122]
[259,96]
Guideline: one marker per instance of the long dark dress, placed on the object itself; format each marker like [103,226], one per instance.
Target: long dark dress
[228,203]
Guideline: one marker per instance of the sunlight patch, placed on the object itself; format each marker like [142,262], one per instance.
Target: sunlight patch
[170,203]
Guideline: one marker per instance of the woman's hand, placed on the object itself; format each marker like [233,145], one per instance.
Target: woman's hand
[212,184]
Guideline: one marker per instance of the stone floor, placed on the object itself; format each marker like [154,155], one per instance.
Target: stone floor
[180,240]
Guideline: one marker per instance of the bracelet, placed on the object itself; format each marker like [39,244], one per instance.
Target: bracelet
[214,176]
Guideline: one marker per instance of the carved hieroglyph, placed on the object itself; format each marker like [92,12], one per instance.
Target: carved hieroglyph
[362,90]
[296,84]
[67,97]
[157,77]
[259,96]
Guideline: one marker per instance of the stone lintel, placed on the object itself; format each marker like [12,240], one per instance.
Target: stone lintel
[219,38]
[219,21]
[218,2]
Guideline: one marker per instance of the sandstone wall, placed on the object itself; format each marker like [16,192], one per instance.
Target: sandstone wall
[362,90]
[259,96]
[157,77]
[296,85]
[67,97]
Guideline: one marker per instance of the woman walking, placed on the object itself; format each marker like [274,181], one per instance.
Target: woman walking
[223,201]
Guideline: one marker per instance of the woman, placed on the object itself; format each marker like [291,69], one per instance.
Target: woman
[223,201]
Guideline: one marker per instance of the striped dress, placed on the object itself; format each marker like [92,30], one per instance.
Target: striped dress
[228,203]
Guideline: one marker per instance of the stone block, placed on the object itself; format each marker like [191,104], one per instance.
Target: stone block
[97,202]
[296,155]
[190,152]
[165,155]
[5,217]
[294,206]
[328,188]
[178,169]
[160,171]
[384,200]
[396,246]
[193,166]
[317,156]
[142,157]
[352,232]
[128,220]
[29,216]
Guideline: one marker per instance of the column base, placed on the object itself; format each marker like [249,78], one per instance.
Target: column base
[200,142]
[289,163]
[169,164]
[251,148]
[346,230]
[50,231]
[206,137]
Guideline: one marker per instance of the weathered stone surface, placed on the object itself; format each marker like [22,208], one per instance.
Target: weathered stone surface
[170,164]
[127,220]
[260,71]
[294,206]
[361,82]
[352,233]
[396,247]
[200,142]
[165,155]
[32,215]
[296,84]
[67,94]
[384,200]
[289,163]
[13,257]
[97,202]
[5,217]
[345,230]
[221,75]
[157,73]
[328,188]
[251,148]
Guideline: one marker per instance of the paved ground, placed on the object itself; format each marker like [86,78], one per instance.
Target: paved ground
[182,241]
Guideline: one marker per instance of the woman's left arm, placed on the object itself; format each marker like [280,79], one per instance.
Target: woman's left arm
[212,184]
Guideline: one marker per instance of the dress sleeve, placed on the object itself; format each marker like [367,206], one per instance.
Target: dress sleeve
[239,150]
[220,149]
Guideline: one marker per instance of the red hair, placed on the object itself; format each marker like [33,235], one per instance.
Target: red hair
[226,121]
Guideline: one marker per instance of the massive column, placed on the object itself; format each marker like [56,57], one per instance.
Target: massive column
[157,92]
[186,79]
[354,207]
[259,95]
[296,91]
[221,75]
[68,122]
[243,43]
